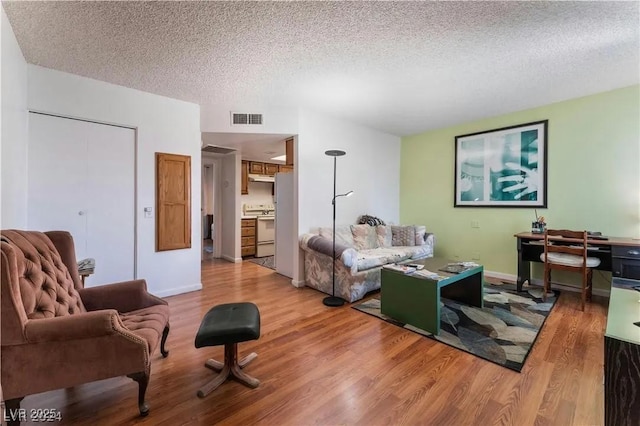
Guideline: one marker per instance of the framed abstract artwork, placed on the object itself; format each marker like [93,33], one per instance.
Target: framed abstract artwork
[504,167]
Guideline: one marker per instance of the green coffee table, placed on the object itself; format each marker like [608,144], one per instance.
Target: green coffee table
[416,300]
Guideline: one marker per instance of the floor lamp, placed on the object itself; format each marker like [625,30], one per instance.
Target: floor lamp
[333,300]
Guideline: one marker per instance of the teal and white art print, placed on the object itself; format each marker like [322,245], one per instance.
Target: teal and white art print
[504,167]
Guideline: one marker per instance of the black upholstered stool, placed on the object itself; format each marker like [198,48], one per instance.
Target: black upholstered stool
[228,325]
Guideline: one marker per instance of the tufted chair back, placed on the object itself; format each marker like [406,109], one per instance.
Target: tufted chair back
[33,268]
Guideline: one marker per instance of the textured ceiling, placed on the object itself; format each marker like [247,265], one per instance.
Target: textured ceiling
[400,67]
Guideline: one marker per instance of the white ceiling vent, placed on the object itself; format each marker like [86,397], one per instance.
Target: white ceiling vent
[245,118]
[217,149]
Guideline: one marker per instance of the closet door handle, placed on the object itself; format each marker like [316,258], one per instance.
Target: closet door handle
[81,213]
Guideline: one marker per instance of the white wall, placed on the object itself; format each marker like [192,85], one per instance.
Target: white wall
[163,125]
[14,130]
[230,208]
[259,193]
[370,168]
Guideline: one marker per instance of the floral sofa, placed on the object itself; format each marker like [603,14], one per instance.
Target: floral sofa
[361,251]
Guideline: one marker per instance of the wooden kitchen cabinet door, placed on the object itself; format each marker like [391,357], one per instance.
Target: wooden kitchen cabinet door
[173,201]
[270,169]
[256,167]
[244,182]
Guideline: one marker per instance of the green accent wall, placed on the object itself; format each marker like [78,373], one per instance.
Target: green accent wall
[593,181]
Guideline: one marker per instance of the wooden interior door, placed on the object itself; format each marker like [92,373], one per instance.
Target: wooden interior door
[173,197]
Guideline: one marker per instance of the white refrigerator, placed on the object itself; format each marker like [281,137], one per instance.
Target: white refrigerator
[286,237]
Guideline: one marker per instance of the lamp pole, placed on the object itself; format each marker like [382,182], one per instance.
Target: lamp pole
[333,300]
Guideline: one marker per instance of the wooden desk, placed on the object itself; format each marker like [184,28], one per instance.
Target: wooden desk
[531,246]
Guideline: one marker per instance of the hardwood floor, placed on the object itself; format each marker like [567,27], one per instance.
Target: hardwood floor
[326,366]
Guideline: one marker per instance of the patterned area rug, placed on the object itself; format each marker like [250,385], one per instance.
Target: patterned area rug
[503,332]
[267,262]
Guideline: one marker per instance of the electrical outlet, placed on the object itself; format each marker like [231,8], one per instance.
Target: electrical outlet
[148,212]
[475,255]
[475,224]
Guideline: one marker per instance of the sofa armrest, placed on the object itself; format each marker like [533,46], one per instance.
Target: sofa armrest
[429,239]
[85,325]
[348,256]
[125,296]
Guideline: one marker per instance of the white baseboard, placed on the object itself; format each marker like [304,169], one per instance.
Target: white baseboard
[232,259]
[178,290]
[569,287]
[537,281]
[298,284]
[500,276]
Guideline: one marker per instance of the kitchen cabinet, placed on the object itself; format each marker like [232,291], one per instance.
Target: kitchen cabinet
[248,237]
[283,168]
[288,150]
[244,182]
[270,169]
[256,168]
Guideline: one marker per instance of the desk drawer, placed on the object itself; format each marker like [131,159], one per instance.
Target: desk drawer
[627,252]
[625,262]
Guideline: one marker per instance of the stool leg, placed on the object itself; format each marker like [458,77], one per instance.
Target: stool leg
[231,359]
[217,365]
[231,367]
[213,384]
[214,365]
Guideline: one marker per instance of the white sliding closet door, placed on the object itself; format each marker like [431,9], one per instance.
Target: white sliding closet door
[81,178]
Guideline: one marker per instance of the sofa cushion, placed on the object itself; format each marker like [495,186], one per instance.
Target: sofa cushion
[364,237]
[372,258]
[384,235]
[570,260]
[403,235]
[343,234]
[370,220]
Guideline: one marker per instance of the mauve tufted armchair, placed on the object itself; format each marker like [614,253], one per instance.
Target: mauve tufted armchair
[57,334]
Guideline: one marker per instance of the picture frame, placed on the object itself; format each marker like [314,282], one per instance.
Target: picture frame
[505,167]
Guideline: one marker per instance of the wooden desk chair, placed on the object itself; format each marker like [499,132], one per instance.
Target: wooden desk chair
[568,256]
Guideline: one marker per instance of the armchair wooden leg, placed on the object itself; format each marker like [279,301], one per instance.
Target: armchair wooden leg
[165,333]
[12,413]
[143,380]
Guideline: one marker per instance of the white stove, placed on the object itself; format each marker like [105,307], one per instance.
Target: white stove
[265,230]
[258,210]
